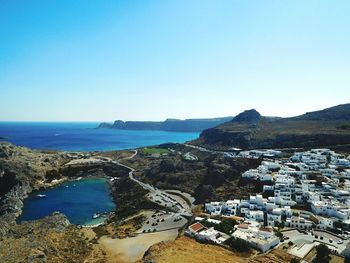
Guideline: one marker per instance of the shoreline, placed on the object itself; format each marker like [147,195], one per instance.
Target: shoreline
[104,216]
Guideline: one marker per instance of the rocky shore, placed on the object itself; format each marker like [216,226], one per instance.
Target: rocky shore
[23,170]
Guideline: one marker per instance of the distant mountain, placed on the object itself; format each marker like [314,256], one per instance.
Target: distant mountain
[250,130]
[249,116]
[188,125]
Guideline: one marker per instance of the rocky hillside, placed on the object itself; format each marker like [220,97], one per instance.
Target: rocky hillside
[21,171]
[51,239]
[211,177]
[189,125]
[250,130]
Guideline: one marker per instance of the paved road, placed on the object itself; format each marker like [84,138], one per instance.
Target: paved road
[202,149]
[158,196]
[299,238]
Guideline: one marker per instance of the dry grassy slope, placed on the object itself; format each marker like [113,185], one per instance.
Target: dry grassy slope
[275,256]
[185,249]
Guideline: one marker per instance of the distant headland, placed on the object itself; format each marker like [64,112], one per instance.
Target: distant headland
[187,125]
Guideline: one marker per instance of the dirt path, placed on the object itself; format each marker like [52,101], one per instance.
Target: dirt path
[131,249]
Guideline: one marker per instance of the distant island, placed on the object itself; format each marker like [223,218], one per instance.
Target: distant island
[250,130]
[187,125]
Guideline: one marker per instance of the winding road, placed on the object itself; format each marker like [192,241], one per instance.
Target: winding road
[156,195]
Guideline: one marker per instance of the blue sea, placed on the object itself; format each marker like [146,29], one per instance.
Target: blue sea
[84,137]
[78,200]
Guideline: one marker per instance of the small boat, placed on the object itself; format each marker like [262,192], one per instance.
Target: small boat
[96,215]
[40,196]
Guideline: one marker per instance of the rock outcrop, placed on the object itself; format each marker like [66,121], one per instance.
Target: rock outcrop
[249,130]
[21,171]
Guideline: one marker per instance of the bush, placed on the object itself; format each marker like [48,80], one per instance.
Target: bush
[238,245]
[226,225]
[322,254]
[279,234]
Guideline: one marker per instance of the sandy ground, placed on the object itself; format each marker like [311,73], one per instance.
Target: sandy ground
[131,249]
[184,250]
[275,256]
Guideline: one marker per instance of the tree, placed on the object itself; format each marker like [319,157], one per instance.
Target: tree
[322,254]
[338,224]
[294,260]
[225,226]
[279,234]
[279,225]
[238,245]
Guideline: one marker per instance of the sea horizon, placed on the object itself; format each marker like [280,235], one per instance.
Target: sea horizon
[84,136]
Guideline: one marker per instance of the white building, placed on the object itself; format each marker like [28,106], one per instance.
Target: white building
[260,238]
[201,233]
[299,222]
[214,208]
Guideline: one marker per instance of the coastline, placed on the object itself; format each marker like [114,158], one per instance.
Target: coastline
[89,222]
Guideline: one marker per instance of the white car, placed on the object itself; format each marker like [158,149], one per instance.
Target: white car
[340,242]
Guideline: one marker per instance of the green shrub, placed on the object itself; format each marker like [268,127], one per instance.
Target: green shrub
[226,225]
[322,254]
[238,245]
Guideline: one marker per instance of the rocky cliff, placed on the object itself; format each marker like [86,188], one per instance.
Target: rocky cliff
[21,171]
[189,125]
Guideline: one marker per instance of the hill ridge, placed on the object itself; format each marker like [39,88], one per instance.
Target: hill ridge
[330,126]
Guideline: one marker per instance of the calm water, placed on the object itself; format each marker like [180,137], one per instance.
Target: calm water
[78,200]
[83,136]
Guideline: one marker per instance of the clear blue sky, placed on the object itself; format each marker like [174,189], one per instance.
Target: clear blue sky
[87,60]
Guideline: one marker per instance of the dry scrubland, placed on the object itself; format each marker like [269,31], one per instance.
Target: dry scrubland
[185,249]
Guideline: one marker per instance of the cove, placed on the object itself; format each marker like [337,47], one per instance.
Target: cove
[78,200]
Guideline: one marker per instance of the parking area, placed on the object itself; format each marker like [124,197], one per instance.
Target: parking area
[333,241]
[172,201]
[304,242]
[327,237]
[160,221]
[297,237]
